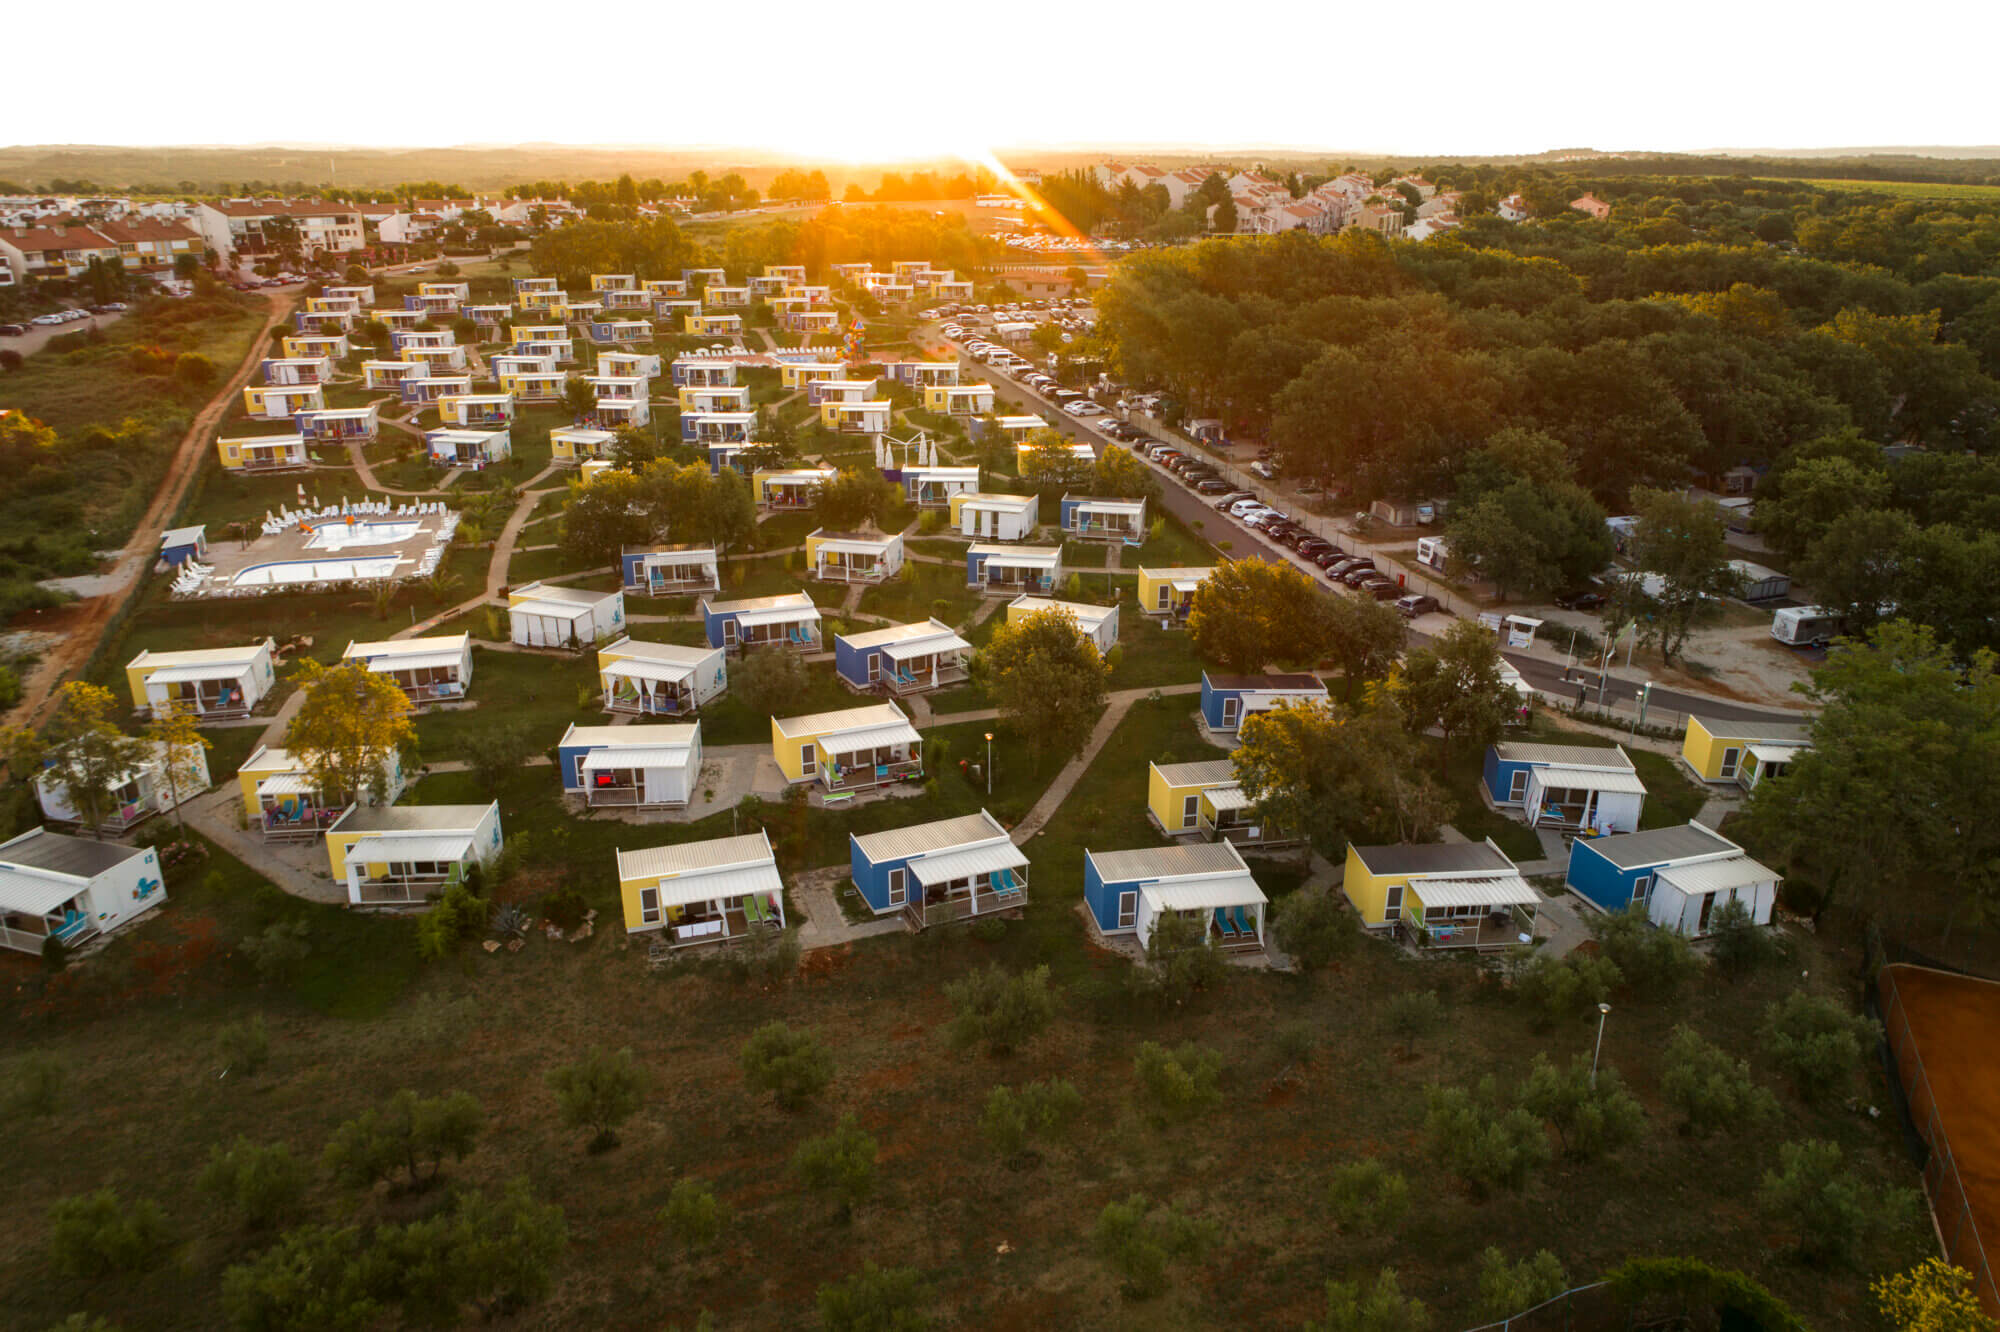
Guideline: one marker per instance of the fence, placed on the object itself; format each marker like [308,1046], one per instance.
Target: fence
[1588,1306]
[1951,1213]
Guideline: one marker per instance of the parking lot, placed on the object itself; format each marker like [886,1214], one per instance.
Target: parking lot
[34,337]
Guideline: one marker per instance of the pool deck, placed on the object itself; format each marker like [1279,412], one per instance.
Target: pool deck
[229,558]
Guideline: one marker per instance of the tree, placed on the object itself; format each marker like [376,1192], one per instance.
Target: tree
[407,1133]
[1413,1014]
[315,1277]
[579,398]
[497,1256]
[693,1218]
[600,1091]
[81,750]
[182,750]
[350,724]
[1248,614]
[92,1234]
[840,1164]
[1814,495]
[1933,1296]
[243,1048]
[1365,639]
[1366,1197]
[494,752]
[11,360]
[1038,1110]
[1680,540]
[1737,943]
[1141,1243]
[1507,1289]
[1047,677]
[853,499]
[766,681]
[1120,474]
[633,448]
[1652,961]
[1000,1011]
[1711,1090]
[1453,685]
[1338,774]
[1382,1308]
[1823,1202]
[600,519]
[1529,538]
[1314,928]
[262,1183]
[1047,459]
[875,1299]
[1816,1042]
[1223,220]
[1181,1083]
[1485,1146]
[1593,1115]
[791,1065]
[33,1085]
[194,370]
[1565,988]
[1182,958]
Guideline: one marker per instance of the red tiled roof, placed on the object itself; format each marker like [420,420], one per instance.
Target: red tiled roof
[55,238]
[279,208]
[143,230]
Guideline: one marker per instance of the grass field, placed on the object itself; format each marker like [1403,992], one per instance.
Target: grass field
[1912,189]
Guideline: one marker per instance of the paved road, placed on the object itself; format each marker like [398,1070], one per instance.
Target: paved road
[38,335]
[1545,675]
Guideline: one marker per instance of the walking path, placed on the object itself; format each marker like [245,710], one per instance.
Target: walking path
[503,554]
[1066,780]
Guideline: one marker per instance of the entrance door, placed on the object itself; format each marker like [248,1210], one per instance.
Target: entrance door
[1232,712]
[1190,810]
[808,760]
[1166,595]
[1730,758]
[1517,788]
[729,633]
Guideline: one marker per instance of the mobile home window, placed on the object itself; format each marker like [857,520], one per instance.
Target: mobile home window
[1128,909]
[1642,888]
[1517,786]
[649,906]
[1190,810]
[1392,903]
[896,894]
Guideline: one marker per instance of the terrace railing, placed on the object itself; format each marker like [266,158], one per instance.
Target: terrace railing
[838,776]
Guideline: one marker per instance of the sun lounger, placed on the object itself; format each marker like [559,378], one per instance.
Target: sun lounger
[1222,924]
[1244,925]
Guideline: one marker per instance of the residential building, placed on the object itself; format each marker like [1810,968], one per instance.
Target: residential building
[668,571]
[707,428]
[263,453]
[1017,428]
[703,892]
[213,683]
[1567,787]
[995,517]
[53,886]
[798,372]
[278,370]
[1170,591]
[923,374]
[940,872]
[959,399]
[404,855]
[1204,799]
[659,679]
[377,375]
[854,557]
[1677,876]
[1011,570]
[1095,518]
[160,778]
[1099,624]
[438,360]
[629,364]
[247,227]
[1442,895]
[341,423]
[727,398]
[713,326]
[934,487]
[282,799]
[852,749]
[281,402]
[476,409]
[437,666]
[1227,699]
[1742,753]
[653,766]
[1131,892]
[795,488]
[331,346]
[1591,205]
[703,370]
[789,619]
[474,446]
[541,615]
[571,445]
[621,332]
[178,545]
[903,658]
[1514,208]
[432,386]
[53,253]
[822,391]
[857,418]
[150,246]
[613,282]
[534,385]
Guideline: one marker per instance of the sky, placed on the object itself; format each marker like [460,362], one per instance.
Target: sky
[893,80]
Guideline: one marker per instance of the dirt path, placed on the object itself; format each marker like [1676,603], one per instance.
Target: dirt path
[84,626]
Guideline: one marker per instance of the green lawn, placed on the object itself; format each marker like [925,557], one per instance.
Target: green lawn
[1471,815]
[1150,655]
[781,531]
[1671,799]
[542,691]
[527,566]
[924,590]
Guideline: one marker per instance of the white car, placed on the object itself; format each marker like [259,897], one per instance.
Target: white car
[1085,407]
[1244,508]
[46,319]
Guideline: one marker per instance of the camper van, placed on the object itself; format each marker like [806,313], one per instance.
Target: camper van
[1805,626]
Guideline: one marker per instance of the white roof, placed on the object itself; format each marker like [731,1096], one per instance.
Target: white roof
[1769,751]
[1230,796]
[288,783]
[638,668]
[1220,890]
[1194,861]
[717,884]
[911,638]
[1020,422]
[986,858]
[981,500]
[942,641]
[33,895]
[778,614]
[1019,556]
[681,858]
[187,536]
[1498,890]
[1714,876]
[386,847]
[863,545]
[672,654]
[1589,779]
[922,838]
[671,734]
[221,670]
[416,661]
[1087,616]
[573,596]
[868,737]
[562,610]
[1112,505]
[798,600]
[452,644]
[842,719]
[637,756]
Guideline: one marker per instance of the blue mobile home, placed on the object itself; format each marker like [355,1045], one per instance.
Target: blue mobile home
[788,619]
[1128,892]
[178,545]
[1510,763]
[636,767]
[1677,876]
[1227,699]
[1570,787]
[902,658]
[664,571]
[953,869]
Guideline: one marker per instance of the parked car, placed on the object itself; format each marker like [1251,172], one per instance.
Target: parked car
[1385,590]
[1234,497]
[1313,545]
[11,330]
[1586,600]
[1326,559]
[1211,486]
[1413,606]
[1083,407]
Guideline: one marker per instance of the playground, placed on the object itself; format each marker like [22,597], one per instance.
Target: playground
[1939,1026]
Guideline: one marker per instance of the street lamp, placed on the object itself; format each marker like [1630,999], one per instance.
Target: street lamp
[1603,1012]
[989,763]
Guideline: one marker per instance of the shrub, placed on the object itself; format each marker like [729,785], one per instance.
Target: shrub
[693,1217]
[1738,943]
[408,1133]
[494,752]
[244,1047]
[10,360]
[1654,962]
[264,1184]
[1506,1289]
[599,1091]
[1296,1041]
[1816,1042]
[1038,1110]
[1000,1011]
[1564,988]
[457,915]
[565,909]
[1484,1146]
[1819,1199]
[1140,1244]
[1181,959]
[1178,1084]
[194,370]
[1412,1014]
[1710,1089]
[1933,1296]
[875,1299]
[93,1234]
[1314,928]
[1669,1290]
[1590,1120]
[791,1065]
[840,1164]
[1366,1197]
[34,1084]
[1383,1308]
[277,949]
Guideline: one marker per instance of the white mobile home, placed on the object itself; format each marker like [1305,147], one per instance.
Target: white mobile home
[436,667]
[540,615]
[660,679]
[54,886]
[631,767]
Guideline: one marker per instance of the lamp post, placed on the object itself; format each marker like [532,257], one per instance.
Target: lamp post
[989,763]
[1603,1012]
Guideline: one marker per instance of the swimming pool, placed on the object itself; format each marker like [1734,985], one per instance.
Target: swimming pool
[315,571]
[335,534]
